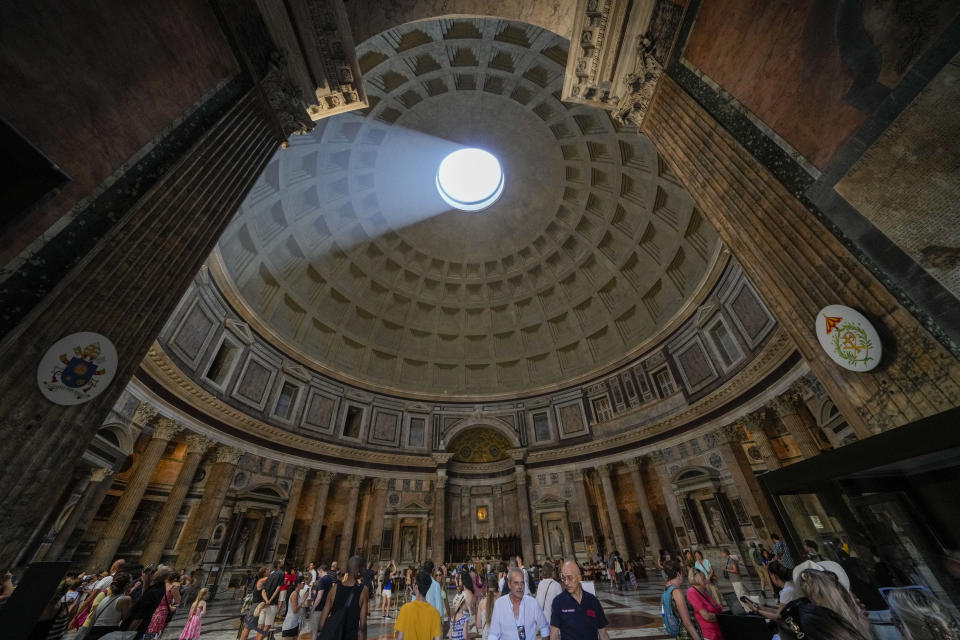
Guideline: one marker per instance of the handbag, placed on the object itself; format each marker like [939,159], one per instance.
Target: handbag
[259,609]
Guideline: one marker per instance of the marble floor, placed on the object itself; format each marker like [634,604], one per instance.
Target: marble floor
[634,613]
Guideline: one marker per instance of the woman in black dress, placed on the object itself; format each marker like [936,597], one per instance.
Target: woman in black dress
[344,615]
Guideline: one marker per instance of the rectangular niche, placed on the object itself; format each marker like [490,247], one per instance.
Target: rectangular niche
[223,362]
[254,381]
[541,426]
[286,400]
[385,427]
[352,422]
[417,433]
[571,418]
[320,411]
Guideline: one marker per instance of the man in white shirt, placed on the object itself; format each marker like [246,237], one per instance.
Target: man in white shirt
[517,616]
[547,589]
[105,583]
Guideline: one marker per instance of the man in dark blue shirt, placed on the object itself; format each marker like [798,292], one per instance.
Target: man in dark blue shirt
[577,614]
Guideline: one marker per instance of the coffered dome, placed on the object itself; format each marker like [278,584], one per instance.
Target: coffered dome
[345,256]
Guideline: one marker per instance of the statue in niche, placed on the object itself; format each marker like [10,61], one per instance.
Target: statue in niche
[408,545]
[717,530]
[240,555]
[556,540]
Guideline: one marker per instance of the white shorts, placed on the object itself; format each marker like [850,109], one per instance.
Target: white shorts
[267,616]
[283,596]
[386,593]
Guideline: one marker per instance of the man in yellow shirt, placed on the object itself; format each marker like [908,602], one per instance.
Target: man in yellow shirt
[419,620]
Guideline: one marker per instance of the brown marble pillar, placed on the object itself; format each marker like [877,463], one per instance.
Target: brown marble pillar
[523,514]
[799,391]
[754,425]
[669,498]
[203,518]
[440,517]
[619,540]
[379,500]
[499,525]
[799,266]
[124,286]
[290,513]
[126,507]
[786,409]
[366,497]
[90,510]
[96,478]
[322,488]
[346,537]
[583,511]
[646,514]
[197,445]
[748,487]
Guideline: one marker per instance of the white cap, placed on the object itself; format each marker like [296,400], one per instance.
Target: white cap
[823,565]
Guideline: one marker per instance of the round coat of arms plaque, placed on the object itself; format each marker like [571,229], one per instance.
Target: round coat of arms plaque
[848,338]
[77,368]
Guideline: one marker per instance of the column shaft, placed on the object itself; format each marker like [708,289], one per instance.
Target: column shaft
[346,537]
[363,546]
[153,550]
[751,494]
[290,512]
[130,499]
[322,480]
[646,514]
[204,516]
[583,509]
[789,414]
[376,522]
[523,514]
[754,424]
[798,265]
[618,538]
[670,500]
[439,518]
[90,510]
[57,547]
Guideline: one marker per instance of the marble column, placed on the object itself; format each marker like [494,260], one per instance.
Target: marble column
[379,500]
[466,517]
[786,409]
[616,525]
[197,445]
[571,549]
[439,517]
[346,537]
[203,517]
[94,482]
[366,496]
[523,514]
[423,541]
[498,510]
[669,498]
[91,508]
[646,514]
[290,513]
[798,265]
[126,507]
[322,488]
[583,510]
[754,424]
[748,487]
[799,390]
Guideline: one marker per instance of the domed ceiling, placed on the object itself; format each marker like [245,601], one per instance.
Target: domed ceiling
[345,256]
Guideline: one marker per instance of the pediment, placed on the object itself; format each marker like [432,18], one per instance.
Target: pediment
[550,502]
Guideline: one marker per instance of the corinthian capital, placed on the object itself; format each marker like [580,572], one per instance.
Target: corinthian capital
[354,481]
[230,455]
[783,406]
[165,429]
[198,444]
[144,413]
[752,421]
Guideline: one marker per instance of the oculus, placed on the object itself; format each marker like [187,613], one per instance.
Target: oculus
[470,179]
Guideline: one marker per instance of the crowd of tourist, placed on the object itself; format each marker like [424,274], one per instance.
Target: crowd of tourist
[483,598]
[814,599]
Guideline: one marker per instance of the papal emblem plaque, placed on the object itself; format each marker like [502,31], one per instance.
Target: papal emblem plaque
[77,368]
[848,338]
